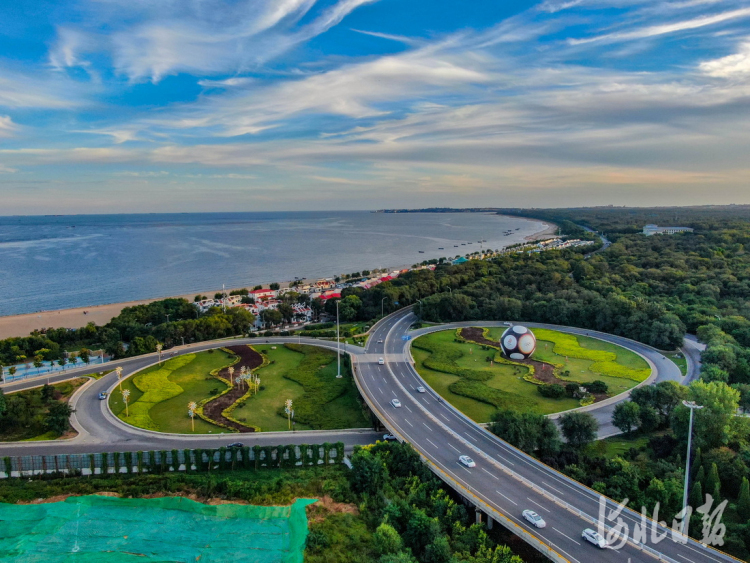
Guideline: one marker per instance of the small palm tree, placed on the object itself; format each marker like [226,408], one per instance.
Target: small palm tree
[230,370]
[125,396]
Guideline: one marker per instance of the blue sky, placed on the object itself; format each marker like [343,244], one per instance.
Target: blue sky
[168,105]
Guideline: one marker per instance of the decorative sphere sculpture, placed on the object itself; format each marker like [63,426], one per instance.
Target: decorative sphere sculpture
[518,343]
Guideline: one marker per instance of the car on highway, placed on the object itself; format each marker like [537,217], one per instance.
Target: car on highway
[389,438]
[396,403]
[381,361]
[467,461]
[235,445]
[534,519]
[421,389]
[380,340]
[594,537]
[102,396]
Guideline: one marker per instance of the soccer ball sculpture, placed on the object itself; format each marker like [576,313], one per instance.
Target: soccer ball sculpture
[518,343]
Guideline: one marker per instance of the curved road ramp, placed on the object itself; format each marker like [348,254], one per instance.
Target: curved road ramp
[109,530]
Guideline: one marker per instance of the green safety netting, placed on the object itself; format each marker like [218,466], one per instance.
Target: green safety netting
[105,529]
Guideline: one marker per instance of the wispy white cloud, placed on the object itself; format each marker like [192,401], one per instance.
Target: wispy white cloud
[662,29]
[7,127]
[204,37]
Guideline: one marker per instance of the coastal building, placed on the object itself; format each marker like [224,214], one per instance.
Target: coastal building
[650,230]
[261,294]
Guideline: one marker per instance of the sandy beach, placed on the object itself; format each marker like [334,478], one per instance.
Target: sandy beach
[22,325]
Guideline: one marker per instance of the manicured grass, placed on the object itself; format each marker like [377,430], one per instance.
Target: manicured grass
[263,409]
[679,359]
[197,383]
[171,414]
[509,378]
[618,445]
[192,377]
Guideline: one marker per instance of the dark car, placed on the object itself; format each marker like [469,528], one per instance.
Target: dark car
[236,445]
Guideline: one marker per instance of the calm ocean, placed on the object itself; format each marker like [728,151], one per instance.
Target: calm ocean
[49,263]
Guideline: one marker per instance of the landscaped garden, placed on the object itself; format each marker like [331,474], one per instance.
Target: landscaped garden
[466,367]
[227,402]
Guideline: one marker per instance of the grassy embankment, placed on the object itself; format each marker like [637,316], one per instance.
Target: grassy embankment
[501,385]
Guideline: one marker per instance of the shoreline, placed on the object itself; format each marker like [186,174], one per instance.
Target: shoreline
[22,325]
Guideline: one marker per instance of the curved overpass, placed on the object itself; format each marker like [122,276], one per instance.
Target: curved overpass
[505,480]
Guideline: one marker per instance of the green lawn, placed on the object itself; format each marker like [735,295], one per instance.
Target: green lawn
[171,415]
[509,378]
[679,359]
[262,409]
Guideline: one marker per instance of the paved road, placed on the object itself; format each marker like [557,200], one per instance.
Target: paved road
[440,433]
[100,431]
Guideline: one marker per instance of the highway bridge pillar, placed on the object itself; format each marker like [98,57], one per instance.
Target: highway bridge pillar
[479,516]
[489,522]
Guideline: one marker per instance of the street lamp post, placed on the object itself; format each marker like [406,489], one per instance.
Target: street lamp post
[338,343]
[382,310]
[692,406]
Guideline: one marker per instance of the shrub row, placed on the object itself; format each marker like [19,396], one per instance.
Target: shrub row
[480,392]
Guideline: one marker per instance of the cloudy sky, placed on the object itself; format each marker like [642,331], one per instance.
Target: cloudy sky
[191,105]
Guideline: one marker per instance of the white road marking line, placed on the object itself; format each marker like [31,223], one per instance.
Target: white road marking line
[431,442]
[506,498]
[567,536]
[428,428]
[490,474]
[702,553]
[470,436]
[464,468]
[408,409]
[454,447]
[553,488]
[409,423]
[506,460]
[685,558]
[445,417]
[539,505]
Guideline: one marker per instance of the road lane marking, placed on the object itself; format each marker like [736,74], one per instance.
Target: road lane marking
[470,436]
[553,488]
[566,535]
[506,460]
[408,409]
[685,558]
[409,423]
[490,474]
[428,428]
[506,498]
[539,505]
[465,469]
[454,447]
[431,442]
[446,418]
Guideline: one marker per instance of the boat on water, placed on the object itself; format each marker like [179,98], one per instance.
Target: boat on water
[421,251]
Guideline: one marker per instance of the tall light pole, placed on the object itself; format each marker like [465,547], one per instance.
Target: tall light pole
[382,310]
[692,406]
[338,343]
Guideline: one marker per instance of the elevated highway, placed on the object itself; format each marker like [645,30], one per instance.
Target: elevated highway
[505,480]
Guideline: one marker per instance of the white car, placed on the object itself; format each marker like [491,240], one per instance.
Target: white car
[381,361]
[396,403]
[380,340]
[421,389]
[594,537]
[534,519]
[467,461]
